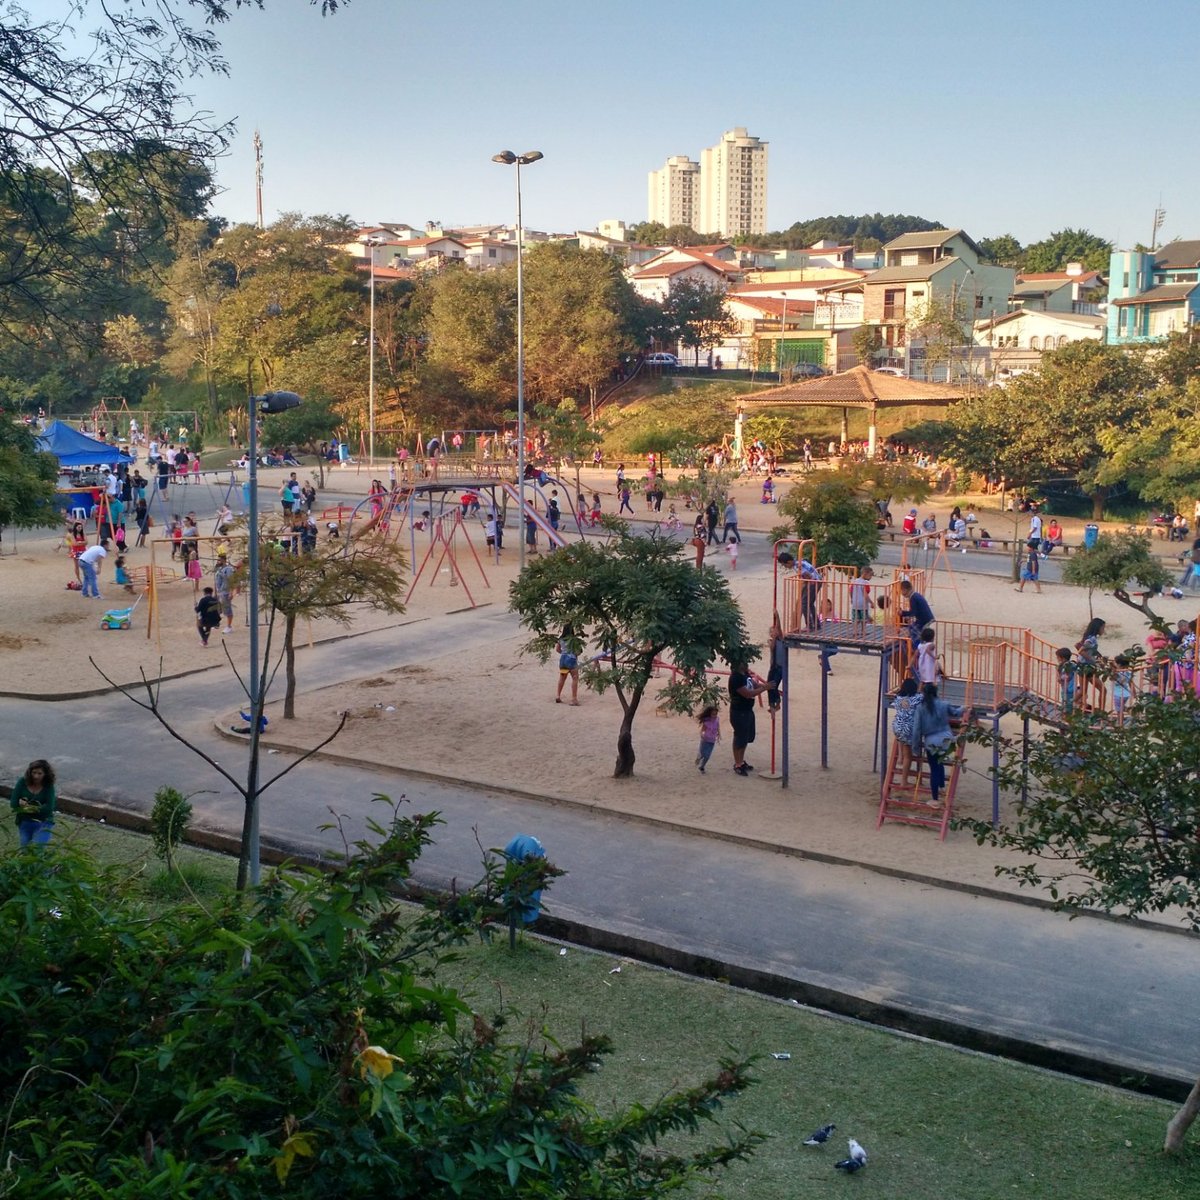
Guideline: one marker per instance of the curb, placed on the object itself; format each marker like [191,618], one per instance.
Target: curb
[821,999]
[734,839]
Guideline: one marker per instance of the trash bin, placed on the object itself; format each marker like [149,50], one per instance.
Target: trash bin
[1090,535]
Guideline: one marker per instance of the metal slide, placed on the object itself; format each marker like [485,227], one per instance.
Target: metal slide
[555,538]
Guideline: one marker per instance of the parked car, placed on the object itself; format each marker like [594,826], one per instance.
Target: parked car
[807,370]
[661,360]
[899,371]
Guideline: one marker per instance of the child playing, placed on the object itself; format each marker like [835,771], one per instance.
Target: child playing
[1030,570]
[595,509]
[1067,681]
[731,548]
[904,706]
[1159,662]
[928,668]
[122,575]
[710,734]
[861,602]
[208,615]
[1122,686]
[672,518]
[176,532]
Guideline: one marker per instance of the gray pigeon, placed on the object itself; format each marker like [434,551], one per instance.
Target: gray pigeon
[856,1161]
[820,1137]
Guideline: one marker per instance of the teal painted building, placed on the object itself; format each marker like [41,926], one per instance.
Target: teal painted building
[1153,295]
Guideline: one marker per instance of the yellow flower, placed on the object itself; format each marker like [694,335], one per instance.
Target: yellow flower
[378,1061]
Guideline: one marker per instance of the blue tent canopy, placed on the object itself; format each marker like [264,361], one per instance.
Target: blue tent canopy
[74,449]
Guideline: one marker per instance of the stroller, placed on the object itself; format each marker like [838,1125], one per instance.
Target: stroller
[119,618]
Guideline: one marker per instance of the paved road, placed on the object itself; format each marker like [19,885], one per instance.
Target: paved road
[1124,994]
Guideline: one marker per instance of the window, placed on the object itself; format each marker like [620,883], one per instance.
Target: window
[1062,340]
[1035,343]
[492,252]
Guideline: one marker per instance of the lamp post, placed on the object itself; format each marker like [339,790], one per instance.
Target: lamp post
[270,402]
[509,159]
[371,243]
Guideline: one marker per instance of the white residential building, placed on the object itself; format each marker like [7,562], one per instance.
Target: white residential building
[674,192]
[733,185]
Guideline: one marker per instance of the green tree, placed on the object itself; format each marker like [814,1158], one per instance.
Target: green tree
[574,334]
[1004,251]
[698,315]
[1116,560]
[1048,423]
[941,327]
[1106,817]
[305,426]
[328,583]
[866,340]
[298,1041]
[776,433]
[473,331]
[1067,246]
[27,478]
[169,819]
[635,599]
[838,510]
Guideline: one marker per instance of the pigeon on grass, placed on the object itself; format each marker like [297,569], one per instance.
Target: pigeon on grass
[820,1137]
[856,1161]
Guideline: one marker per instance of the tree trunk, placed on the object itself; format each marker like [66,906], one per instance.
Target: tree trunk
[1181,1122]
[625,755]
[1099,496]
[289,651]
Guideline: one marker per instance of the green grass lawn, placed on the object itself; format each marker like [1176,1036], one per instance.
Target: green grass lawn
[936,1122]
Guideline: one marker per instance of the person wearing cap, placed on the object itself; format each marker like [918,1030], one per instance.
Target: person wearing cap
[909,527]
[223,581]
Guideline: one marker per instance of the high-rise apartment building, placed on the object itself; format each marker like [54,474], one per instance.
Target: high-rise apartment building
[675,192]
[733,185]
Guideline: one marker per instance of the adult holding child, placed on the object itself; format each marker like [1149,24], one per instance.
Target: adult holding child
[33,801]
[744,689]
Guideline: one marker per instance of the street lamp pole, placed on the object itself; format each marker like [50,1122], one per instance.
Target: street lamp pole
[371,244]
[508,158]
[271,402]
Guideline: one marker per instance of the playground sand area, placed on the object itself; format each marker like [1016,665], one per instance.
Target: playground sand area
[487,715]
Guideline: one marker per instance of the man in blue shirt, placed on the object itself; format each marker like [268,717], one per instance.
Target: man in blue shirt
[918,614]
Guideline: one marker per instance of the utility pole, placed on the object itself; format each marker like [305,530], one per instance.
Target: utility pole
[1160,215]
[258,177]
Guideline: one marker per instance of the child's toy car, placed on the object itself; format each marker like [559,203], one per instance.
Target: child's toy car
[117,618]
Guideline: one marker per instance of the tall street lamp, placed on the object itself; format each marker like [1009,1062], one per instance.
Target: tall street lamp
[270,402]
[509,159]
[371,243]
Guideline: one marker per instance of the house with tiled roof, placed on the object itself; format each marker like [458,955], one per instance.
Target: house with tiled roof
[1018,339]
[1071,291]
[938,268]
[1153,294]
[655,279]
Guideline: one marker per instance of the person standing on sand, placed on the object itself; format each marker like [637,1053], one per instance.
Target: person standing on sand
[568,665]
[223,583]
[744,689]
[89,563]
[33,801]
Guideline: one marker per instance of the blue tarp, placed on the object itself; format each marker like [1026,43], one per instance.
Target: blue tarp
[74,449]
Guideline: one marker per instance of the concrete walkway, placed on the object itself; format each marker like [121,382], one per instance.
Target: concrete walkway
[1107,999]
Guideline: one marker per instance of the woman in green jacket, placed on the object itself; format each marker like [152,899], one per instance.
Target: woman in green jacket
[33,802]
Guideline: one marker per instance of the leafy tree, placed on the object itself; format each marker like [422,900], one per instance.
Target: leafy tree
[1004,251]
[698,315]
[297,1041]
[941,327]
[169,820]
[776,433]
[327,584]
[1049,422]
[1111,564]
[1109,819]
[1158,455]
[1068,246]
[838,510]
[635,599]
[648,233]
[1177,361]
[866,340]
[27,478]
[473,331]
[865,232]
[574,301]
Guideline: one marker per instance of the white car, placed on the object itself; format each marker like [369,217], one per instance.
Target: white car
[890,371]
[661,360]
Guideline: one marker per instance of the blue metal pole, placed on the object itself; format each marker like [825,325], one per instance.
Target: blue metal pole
[824,709]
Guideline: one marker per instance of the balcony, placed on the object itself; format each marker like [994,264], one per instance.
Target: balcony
[893,312]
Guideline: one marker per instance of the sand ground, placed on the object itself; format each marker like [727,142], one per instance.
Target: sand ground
[441,716]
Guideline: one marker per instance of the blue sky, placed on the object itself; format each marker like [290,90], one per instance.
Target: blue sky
[1013,116]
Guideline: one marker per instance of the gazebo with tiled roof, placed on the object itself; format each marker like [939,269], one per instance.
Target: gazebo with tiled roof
[856,388]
